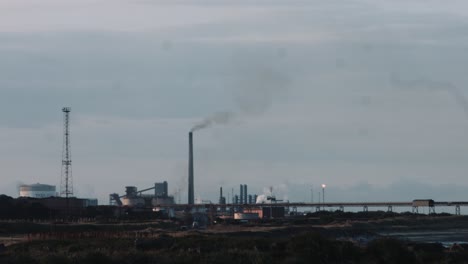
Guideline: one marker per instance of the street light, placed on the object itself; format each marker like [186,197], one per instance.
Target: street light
[323,195]
[312,194]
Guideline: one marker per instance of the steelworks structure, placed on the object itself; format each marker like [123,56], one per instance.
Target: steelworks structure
[135,198]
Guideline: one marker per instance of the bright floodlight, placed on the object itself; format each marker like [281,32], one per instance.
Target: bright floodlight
[323,186]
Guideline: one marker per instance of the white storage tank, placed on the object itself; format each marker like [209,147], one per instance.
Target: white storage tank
[37,190]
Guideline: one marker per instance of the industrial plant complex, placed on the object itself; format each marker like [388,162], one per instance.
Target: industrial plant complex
[240,206]
[154,198]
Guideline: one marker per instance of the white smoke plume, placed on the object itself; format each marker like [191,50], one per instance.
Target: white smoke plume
[280,192]
[262,198]
[18,185]
[179,174]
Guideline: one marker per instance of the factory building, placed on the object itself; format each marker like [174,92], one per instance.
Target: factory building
[135,198]
[246,216]
[37,190]
[266,212]
[261,212]
[160,189]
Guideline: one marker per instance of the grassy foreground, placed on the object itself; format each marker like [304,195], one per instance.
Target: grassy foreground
[310,247]
[321,238]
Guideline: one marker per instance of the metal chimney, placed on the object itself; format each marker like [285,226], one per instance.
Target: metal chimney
[191,195]
[245,193]
[241,196]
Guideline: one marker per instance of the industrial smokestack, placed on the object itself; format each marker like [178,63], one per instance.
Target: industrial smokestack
[191,195]
[241,195]
[245,193]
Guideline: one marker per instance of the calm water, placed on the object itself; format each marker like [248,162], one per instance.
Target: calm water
[446,237]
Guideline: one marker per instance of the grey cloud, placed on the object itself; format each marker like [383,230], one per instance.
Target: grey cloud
[301,94]
[254,85]
[257,87]
[431,85]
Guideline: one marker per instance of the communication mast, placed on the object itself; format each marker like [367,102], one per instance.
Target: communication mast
[66,185]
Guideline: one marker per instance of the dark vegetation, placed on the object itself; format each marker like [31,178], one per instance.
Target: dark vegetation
[309,247]
[382,221]
[31,209]
[330,216]
[16,227]
[127,243]
[20,209]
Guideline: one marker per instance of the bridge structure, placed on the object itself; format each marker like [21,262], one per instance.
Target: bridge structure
[293,206]
[414,205]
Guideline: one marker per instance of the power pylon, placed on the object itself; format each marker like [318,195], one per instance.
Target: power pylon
[66,184]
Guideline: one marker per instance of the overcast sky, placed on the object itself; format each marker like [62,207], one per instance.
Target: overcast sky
[368,97]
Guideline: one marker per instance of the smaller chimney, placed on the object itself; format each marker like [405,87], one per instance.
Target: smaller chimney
[241,196]
[245,193]
[222,200]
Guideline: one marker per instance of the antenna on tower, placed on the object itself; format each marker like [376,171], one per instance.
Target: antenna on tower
[66,185]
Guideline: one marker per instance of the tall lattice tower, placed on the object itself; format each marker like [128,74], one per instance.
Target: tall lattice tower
[66,185]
